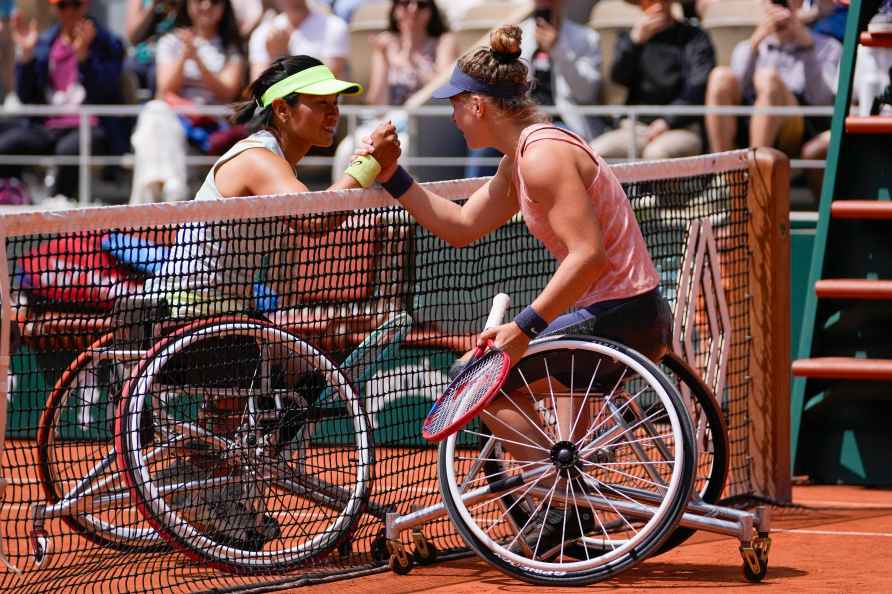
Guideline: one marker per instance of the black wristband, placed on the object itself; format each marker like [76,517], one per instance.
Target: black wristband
[399,183]
[530,322]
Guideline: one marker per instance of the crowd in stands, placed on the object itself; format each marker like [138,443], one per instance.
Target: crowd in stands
[174,54]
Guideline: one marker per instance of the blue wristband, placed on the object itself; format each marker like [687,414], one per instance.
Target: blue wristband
[530,322]
[399,183]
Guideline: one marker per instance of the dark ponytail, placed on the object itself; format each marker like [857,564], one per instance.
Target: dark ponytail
[249,111]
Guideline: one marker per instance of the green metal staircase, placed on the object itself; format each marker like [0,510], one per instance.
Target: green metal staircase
[842,388]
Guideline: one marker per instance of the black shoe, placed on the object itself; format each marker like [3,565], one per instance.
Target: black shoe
[235,526]
[252,539]
[561,526]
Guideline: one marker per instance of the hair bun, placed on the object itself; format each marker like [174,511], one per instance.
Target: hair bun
[505,43]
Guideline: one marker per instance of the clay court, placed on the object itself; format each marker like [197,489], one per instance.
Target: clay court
[833,539]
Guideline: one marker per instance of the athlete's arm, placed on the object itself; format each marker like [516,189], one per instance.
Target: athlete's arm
[551,173]
[459,225]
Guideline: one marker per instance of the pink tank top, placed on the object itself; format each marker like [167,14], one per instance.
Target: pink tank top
[630,271]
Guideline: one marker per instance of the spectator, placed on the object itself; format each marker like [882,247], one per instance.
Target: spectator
[414,50]
[75,62]
[147,21]
[7,63]
[872,85]
[200,63]
[662,61]
[300,30]
[782,64]
[565,65]
[825,16]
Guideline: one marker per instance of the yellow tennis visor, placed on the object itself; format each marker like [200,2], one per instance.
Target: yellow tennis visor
[317,80]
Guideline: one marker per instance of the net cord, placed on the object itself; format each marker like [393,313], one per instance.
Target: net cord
[279,205]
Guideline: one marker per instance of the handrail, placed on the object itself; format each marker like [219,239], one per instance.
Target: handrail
[444,109]
[352,113]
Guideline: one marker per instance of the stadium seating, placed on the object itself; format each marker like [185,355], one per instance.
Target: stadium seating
[479,20]
[728,23]
[368,20]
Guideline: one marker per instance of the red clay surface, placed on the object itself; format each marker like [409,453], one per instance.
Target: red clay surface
[839,541]
[836,539]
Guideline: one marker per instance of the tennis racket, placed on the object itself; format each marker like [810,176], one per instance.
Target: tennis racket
[472,389]
[379,346]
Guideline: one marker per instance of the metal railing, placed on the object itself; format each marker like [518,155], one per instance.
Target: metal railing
[354,114]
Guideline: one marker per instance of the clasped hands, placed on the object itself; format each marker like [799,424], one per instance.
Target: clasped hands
[384,145]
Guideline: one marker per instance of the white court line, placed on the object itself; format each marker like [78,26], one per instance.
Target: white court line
[821,504]
[831,532]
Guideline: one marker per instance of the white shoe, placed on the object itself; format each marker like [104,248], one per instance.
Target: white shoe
[11,102]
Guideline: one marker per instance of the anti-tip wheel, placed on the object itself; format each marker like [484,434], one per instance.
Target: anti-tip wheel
[425,555]
[755,576]
[401,564]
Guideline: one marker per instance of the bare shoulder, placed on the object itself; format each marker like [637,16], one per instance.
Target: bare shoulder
[255,171]
[546,162]
[549,163]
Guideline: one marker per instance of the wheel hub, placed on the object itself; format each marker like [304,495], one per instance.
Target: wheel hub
[564,455]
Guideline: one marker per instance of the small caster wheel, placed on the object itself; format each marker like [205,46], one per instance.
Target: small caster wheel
[379,548]
[40,546]
[401,564]
[755,576]
[425,552]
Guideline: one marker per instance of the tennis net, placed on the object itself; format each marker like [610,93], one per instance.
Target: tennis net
[186,381]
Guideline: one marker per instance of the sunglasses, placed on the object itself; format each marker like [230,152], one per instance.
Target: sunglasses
[63,4]
[419,4]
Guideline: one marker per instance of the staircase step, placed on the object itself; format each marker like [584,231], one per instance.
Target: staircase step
[844,368]
[869,124]
[853,288]
[875,40]
[861,209]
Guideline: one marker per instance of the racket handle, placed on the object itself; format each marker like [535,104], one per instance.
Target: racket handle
[500,304]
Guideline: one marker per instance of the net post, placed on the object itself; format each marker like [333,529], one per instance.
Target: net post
[5,331]
[769,306]
[5,321]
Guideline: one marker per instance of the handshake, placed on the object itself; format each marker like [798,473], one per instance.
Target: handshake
[376,158]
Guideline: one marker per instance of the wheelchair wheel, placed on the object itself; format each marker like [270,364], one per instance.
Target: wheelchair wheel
[710,437]
[610,481]
[244,446]
[76,457]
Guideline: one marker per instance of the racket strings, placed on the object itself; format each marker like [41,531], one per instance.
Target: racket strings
[469,390]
